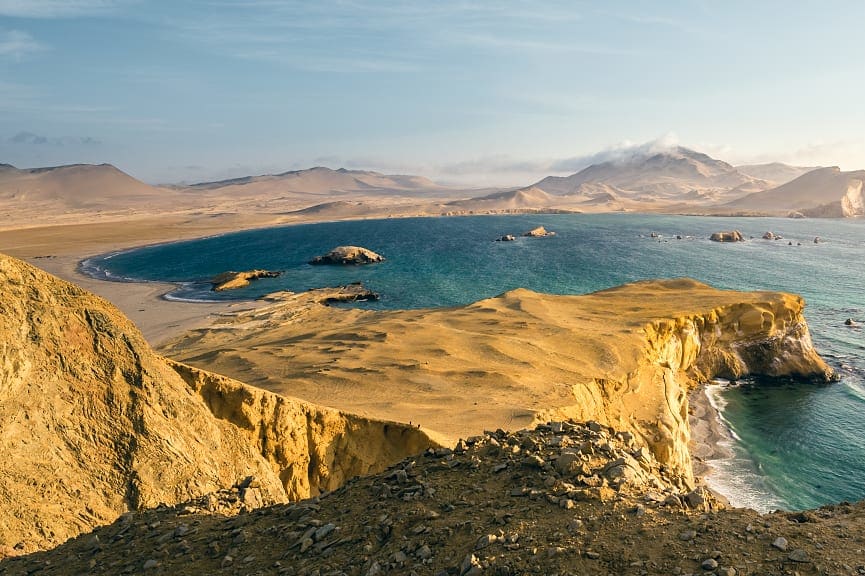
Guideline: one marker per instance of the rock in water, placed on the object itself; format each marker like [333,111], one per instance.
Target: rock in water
[232,280]
[732,236]
[506,238]
[347,255]
[538,232]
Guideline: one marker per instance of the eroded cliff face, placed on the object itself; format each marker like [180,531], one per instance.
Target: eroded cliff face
[93,423]
[311,448]
[626,357]
[766,337]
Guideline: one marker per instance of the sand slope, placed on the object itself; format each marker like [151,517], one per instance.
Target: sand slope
[777,173]
[826,192]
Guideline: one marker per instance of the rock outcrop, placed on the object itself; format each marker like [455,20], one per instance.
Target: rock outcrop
[564,498]
[732,236]
[93,423]
[348,255]
[538,232]
[506,238]
[233,280]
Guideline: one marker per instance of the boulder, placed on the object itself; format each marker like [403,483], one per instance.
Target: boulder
[538,232]
[348,255]
[232,280]
[506,238]
[732,236]
[772,236]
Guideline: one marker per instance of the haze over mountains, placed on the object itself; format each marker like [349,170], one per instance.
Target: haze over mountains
[674,179]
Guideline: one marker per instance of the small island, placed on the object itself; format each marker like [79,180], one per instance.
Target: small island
[539,232]
[232,280]
[348,255]
[732,236]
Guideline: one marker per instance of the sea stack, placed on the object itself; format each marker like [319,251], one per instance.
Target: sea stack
[732,236]
[348,255]
[538,232]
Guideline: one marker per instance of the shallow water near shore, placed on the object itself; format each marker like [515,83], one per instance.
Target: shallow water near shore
[795,444]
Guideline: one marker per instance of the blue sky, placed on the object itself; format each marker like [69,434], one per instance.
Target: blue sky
[499,92]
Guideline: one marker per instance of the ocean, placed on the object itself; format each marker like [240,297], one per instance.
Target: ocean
[795,445]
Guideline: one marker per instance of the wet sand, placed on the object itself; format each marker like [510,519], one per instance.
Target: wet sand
[707,435]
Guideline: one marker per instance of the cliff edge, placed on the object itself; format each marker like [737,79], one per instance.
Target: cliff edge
[625,357]
[93,423]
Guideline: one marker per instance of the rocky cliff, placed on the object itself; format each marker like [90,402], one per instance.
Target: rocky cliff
[626,357]
[93,423]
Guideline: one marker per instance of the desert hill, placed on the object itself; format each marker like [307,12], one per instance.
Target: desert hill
[74,186]
[94,424]
[777,173]
[505,200]
[665,174]
[320,181]
[824,192]
[564,498]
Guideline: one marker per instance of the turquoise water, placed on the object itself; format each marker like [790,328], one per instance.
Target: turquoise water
[797,445]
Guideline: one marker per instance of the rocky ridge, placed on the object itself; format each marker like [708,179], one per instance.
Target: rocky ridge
[565,498]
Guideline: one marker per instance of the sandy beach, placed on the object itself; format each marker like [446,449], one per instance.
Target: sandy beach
[707,435]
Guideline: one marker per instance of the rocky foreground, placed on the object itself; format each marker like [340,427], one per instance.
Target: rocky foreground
[564,498]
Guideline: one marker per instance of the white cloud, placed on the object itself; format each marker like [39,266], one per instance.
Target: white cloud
[56,8]
[16,44]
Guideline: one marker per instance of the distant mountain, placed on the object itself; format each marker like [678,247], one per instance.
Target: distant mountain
[505,200]
[775,172]
[74,186]
[824,192]
[666,174]
[320,180]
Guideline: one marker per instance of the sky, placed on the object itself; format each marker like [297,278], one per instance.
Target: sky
[469,93]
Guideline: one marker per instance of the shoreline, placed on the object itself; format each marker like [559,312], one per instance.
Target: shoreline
[707,436]
[60,250]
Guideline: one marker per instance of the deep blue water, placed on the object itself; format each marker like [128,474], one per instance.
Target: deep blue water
[799,446]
